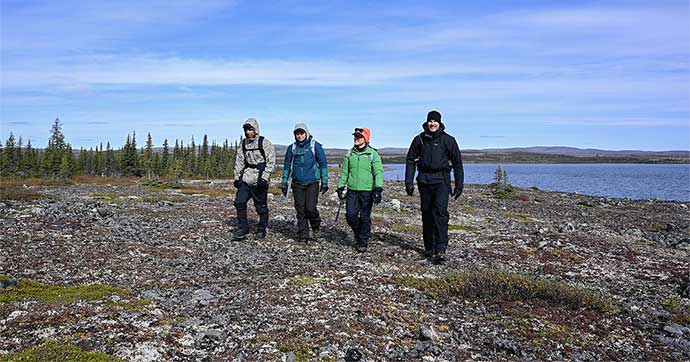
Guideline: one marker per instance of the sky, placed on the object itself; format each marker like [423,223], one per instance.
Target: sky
[589,74]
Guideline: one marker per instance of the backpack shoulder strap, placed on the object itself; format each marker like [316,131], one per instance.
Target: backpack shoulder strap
[261,147]
[312,146]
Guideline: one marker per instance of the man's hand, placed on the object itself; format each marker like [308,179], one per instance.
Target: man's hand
[377,195]
[457,192]
[324,189]
[409,189]
[261,183]
[237,183]
[341,193]
[284,188]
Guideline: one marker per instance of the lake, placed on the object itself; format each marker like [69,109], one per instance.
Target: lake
[635,181]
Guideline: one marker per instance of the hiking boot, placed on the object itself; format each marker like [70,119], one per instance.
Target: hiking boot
[260,235]
[361,248]
[439,259]
[240,234]
[316,232]
[301,239]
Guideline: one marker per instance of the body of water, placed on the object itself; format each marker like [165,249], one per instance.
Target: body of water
[635,181]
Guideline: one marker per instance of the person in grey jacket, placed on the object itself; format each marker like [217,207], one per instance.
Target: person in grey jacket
[254,164]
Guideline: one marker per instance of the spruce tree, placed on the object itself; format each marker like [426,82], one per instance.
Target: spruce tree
[55,151]
[148,157]
[110,163]
[9,158]
[165,160]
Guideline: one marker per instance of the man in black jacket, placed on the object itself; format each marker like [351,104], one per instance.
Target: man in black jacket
[434,153]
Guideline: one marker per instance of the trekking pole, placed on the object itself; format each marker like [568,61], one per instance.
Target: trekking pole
[337,214]
[287,194]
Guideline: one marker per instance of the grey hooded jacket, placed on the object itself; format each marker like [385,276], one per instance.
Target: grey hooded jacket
[253,157]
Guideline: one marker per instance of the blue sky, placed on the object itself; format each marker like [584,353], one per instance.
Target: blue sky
[602,74]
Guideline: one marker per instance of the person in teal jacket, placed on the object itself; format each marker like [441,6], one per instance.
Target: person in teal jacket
[362,174]
[305,166]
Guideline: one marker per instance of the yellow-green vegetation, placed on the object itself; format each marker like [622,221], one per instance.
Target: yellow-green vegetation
[537,329]
[20,194]
[140,305]
[521,217]
[162,185]
[301,349]
[491,284]
[35,181]
[586,203]
[462,227]
[33,290]
[469,208]
[407,228]
[302,281]
[54,351]
[680,311]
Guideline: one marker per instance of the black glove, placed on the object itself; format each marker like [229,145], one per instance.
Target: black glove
[457,192]
[284,188]
[377,195]
[341,193]
[261,183]
[237,183]
[409,189]
[324,189]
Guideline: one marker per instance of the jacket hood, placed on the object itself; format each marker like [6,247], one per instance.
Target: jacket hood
[304,127]
[254,123]
[440,129]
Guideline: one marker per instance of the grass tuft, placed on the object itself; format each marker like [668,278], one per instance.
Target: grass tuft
[303,281]
[20,194]
[54,351]
[462,227]
[33,290]
[490,284]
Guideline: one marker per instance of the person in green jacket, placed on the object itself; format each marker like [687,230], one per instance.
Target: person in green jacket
[362,173]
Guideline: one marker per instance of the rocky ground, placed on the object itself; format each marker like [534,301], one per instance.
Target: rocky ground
[184,291]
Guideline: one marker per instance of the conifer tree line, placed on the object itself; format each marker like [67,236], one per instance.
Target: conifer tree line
[58,160]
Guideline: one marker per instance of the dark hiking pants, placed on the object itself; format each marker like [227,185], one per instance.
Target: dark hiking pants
[306,198]
[260,198]
[434,200]
[358,210]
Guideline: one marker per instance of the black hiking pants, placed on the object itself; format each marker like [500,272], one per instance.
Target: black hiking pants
[306,198]
[260,198]
[358,206]
[434,200]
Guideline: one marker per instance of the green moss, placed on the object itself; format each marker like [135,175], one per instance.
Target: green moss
[469,208]
[301,349]
[490,284]
[680,312]
[407,228]
[462,227]
[33,290]
[521,217]
[53,351]
[301,281]
[141,305]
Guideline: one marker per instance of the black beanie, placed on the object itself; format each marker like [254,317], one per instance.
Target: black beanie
[435,115]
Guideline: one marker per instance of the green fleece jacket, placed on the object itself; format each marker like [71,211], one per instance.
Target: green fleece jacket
[362,170]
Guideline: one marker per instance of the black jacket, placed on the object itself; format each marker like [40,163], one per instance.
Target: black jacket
[434,155]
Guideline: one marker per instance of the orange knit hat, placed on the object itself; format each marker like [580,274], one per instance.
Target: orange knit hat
[364,132]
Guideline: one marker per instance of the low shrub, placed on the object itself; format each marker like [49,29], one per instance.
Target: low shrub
[490,284]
